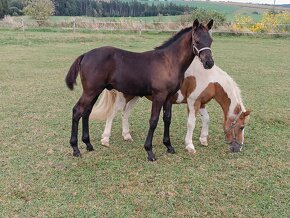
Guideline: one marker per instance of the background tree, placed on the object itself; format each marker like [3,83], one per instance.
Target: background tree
[3,8]
[204,16]
[16,7]
[39,10]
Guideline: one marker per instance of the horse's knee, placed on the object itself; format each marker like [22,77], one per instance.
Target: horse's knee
[205,118]
[204,114]
[73,141]
[76,113]
[167,118]
[153,123]
[166,141]
[86,138]
[191,125]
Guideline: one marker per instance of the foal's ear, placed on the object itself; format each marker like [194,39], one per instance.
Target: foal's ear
[247,113]
[210,24]
[195,24]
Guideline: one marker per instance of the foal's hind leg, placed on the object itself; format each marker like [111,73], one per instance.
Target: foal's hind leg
[118,105]
[82,109]
[157,103]
[85,119]
[167,111]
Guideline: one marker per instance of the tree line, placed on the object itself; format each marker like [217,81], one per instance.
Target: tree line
[4,9]
[115,8]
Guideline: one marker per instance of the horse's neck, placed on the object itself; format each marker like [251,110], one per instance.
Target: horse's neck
[182,52]
[227,94]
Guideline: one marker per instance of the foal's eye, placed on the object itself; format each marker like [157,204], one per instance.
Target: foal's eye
[242,127]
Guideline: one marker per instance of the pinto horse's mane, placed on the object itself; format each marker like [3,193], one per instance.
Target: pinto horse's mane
[231,88]
[217,75]
[173,38]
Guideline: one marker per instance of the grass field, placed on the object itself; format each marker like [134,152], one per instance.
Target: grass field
[40,178]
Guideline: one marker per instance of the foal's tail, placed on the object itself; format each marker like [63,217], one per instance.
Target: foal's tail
[73,73]
[105,106]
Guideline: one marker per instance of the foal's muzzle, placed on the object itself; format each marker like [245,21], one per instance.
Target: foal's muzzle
[235,146]
[208,64]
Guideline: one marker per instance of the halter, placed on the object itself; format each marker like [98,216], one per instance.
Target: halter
[199,50]
[232,127]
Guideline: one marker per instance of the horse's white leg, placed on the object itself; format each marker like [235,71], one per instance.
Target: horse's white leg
[190,127]
[125,119]
[204,131]
[118,105]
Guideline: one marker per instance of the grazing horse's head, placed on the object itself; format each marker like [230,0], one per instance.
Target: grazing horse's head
[234,131]
[201,42]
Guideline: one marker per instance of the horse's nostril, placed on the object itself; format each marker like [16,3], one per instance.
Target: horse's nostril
[209,64]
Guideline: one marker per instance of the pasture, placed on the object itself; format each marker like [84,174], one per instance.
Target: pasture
[39,177]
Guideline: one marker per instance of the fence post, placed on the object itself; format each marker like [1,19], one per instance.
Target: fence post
[74,25]
[22,23]
[140,27]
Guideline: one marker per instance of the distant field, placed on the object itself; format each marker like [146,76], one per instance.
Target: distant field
[230,9]
[40,178]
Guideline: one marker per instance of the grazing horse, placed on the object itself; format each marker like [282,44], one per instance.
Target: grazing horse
[158,73]
[198,88]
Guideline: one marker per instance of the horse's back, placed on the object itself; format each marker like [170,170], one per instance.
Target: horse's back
[114,68]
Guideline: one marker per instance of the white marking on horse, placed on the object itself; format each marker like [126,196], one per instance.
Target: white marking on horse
[180,97]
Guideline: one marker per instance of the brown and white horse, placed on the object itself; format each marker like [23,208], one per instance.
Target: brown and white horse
[198,88]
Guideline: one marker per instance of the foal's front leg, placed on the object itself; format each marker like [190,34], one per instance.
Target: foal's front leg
[157,103]
[205,122]
[167,111]
[190,127]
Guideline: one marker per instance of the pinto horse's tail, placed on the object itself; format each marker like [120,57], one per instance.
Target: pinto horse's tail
[105,106]
[73,73]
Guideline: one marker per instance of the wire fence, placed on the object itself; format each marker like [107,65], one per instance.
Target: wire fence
[139,26]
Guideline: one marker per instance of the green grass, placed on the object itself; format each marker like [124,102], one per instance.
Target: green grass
[40,178]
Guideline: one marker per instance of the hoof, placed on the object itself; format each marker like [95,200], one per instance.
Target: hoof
[190,149]
[151,157]
[77,154]
[105,142]
[127,137]
[203,141]
[90,148]
[171,150]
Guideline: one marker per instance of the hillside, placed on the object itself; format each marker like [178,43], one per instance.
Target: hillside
[230,9]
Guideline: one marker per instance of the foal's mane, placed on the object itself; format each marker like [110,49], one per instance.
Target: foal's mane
[234,92]
[174,38]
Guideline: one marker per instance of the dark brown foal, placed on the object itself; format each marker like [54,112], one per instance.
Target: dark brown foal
[158,73]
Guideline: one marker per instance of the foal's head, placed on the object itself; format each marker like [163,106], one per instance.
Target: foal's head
[201,42]
[234,131]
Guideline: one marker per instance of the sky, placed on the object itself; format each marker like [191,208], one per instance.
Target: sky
[278,2]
